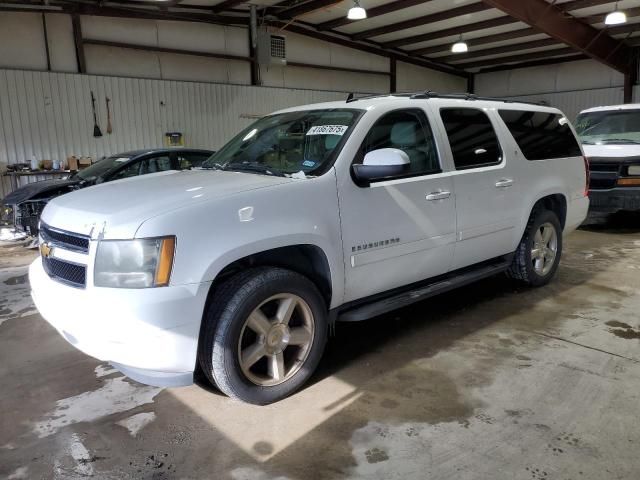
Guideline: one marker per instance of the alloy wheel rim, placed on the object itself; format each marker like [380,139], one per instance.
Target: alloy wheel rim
[545,249]
[276,339]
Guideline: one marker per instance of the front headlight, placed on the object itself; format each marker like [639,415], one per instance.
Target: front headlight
[140,263]
[6,214]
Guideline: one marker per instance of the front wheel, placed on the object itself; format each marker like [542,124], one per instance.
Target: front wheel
[538,254]
[264,334]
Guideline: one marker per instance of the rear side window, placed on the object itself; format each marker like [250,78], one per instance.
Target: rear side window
[541,135]
[472,138]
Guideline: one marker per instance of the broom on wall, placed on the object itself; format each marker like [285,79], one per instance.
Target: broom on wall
[96,128]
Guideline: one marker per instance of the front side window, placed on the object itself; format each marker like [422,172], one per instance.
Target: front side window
[612,127]
[101,168]
[541,135]
[143,167]
[472,138]
[287,143]
[409,131]
[191,159]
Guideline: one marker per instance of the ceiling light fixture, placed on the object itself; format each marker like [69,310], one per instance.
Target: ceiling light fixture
[356,12]
[460,46]
[616,17]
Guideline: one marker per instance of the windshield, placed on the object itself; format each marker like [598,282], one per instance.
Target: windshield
[603,128]
[100,168]
[287,143]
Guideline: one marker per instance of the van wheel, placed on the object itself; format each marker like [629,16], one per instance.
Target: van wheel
[263,335]
[538,254]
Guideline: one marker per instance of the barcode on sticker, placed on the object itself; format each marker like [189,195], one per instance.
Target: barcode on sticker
[327,130]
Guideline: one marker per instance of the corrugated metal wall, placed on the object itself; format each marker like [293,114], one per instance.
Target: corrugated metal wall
[572,102]
[49,114]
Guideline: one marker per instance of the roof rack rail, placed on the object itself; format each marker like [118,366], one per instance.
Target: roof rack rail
[352,96]
[426,94]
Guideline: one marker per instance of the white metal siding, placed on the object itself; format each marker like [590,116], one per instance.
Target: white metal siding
[572,102]
[49,114]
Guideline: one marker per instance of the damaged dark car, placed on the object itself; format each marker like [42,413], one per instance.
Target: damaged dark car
[22,207]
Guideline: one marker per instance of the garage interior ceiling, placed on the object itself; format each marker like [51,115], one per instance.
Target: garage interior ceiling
[501,34]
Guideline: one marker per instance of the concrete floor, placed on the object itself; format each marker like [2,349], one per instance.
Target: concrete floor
[489,382]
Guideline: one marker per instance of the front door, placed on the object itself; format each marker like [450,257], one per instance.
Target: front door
[402,229]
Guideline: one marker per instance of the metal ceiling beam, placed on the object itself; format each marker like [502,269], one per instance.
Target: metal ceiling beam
[478,26]
[450,32]
[499,37]
[553,21]
[227,4]
[306,7]
[371,47]
[517,58]
[373,12]
[535,63]
[122,11]
[517,47]
[419,21]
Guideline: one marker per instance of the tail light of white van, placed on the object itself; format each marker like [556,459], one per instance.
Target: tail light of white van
[587,176]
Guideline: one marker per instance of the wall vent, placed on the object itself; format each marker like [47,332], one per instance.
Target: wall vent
[272,49]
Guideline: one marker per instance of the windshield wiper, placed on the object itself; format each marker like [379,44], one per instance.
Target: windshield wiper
[211,166]
[253,168]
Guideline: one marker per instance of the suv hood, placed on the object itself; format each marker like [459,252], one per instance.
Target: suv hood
[616,151]
[117,209]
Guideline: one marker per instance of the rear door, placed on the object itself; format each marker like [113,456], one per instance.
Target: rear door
[485,184]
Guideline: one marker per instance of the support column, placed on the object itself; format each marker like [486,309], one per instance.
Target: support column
[77,37]
[253,42]
[393,85]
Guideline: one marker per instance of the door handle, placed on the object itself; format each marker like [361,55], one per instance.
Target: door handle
[440,195]
[504,183]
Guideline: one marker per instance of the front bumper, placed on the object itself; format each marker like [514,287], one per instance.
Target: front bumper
[150,334]
[615,199]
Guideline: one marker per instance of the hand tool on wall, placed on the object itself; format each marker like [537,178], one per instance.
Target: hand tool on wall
[96,128]
[109,128]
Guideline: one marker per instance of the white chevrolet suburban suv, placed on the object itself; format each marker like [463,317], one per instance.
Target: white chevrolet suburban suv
[314,214]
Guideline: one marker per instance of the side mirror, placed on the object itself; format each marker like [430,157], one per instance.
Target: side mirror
[379,164]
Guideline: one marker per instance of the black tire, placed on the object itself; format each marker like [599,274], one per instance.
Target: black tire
[224,323]
[522,268]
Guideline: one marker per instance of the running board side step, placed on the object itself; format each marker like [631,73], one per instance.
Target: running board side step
[417,294]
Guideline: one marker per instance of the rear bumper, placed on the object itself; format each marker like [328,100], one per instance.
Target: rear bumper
[149,334]
[610,201]
[576,213]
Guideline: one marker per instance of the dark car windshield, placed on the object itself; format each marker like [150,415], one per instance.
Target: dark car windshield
[288,143]
[609,127]
[101,167]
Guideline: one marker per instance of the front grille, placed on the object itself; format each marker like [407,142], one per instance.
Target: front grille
[61,238]
[604,175]
[604,167]
[65,272]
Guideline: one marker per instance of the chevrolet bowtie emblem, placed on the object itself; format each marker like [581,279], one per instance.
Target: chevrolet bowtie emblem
[45,250]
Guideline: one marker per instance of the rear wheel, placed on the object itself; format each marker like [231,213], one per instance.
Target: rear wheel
[264,334]
[538,254]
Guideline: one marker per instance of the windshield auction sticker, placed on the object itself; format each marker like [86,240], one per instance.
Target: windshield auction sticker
[328,130]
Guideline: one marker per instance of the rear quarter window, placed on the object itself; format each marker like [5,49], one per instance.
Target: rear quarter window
[541,135]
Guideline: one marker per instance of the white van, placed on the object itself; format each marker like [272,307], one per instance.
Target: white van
[610,138]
